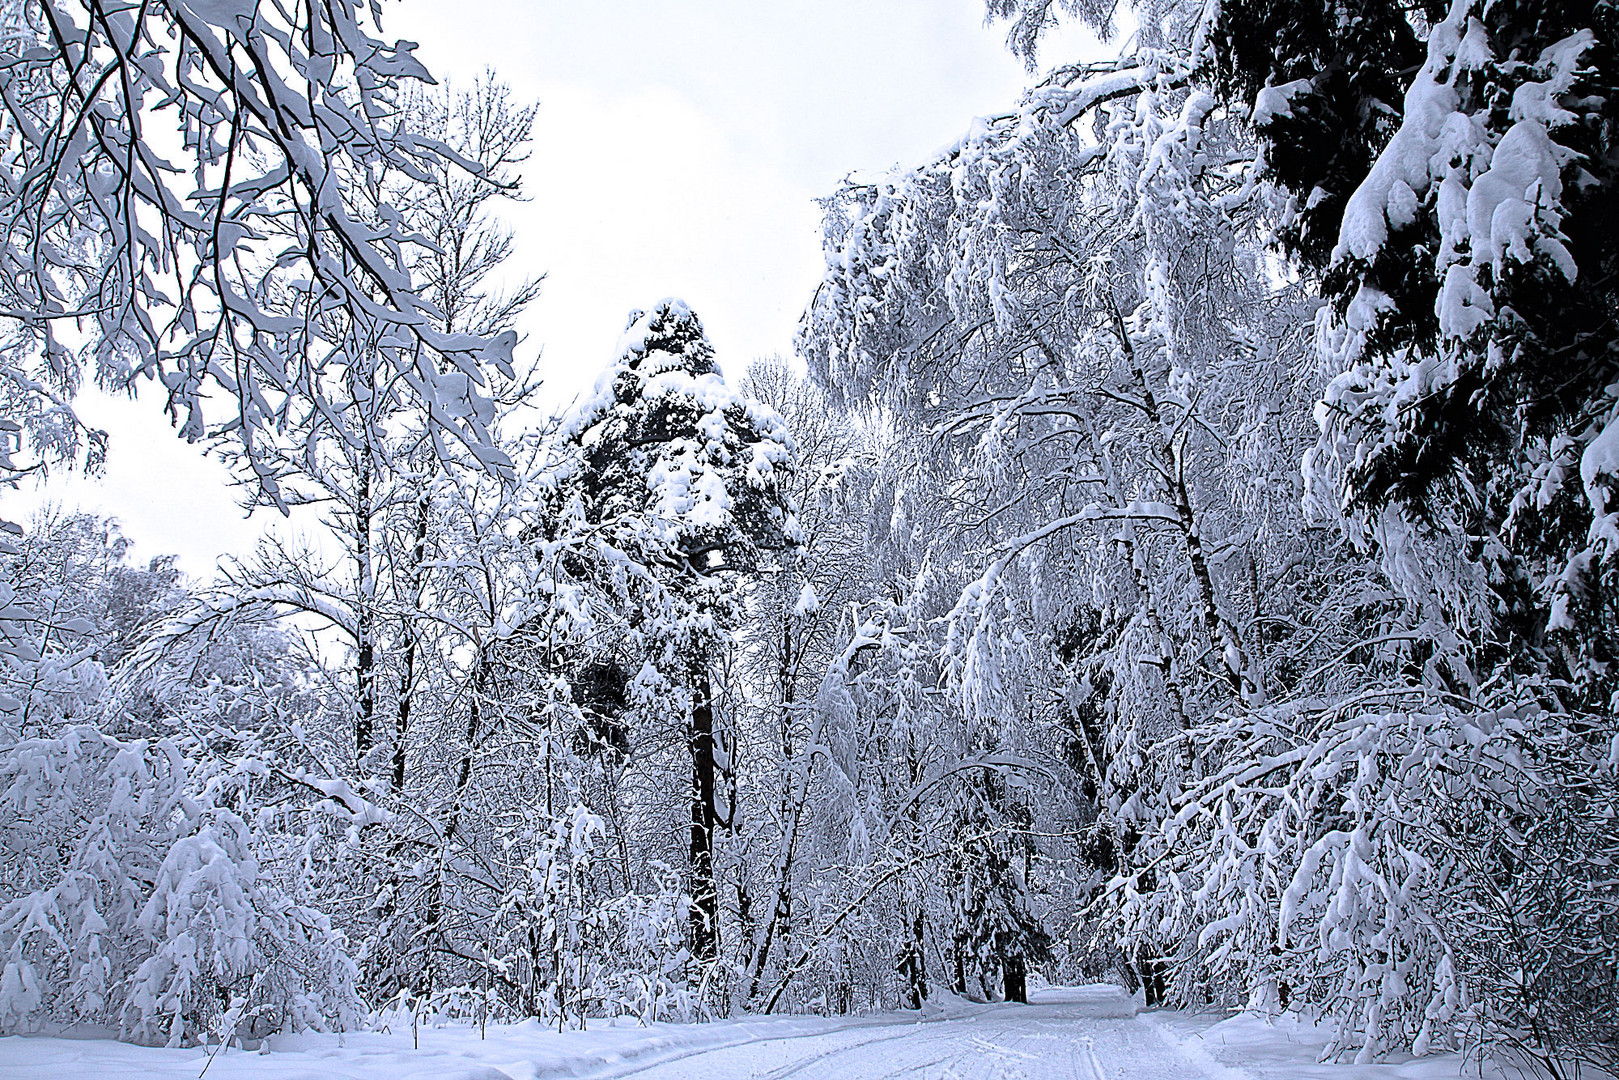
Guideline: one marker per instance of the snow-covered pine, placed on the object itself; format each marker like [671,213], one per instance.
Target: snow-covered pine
[1467,347]
[1472,386]
[1464,440]
[681,483]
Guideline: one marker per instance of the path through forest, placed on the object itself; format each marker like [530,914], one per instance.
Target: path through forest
[1070,1033]
[1087,1033]
[1066,1033]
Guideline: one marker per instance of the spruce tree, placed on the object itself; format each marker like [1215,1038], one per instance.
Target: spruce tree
[1452,171]
[684,478]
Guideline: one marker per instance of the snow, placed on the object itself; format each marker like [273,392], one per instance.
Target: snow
[501,1052]
[1599,471]
[1429,104]
[1502,204]
[1494,203]
[1247,1046]
[1274,101]
[1086,1032]
[1601,459]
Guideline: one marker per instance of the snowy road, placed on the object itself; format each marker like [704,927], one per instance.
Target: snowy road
[1078,1033]
[1062,1035]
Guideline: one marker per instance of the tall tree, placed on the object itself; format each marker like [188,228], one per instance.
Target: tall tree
[368,458]
[686,479]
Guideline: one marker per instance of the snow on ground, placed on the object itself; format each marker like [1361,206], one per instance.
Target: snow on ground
[504,1052]
[1065,1033]
[1249,1047]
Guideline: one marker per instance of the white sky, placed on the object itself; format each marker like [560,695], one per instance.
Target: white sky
[678,150]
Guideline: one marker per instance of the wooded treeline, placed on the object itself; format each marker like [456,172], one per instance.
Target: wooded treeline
[1189,558]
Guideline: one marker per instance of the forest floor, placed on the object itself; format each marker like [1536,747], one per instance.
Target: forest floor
[1075,1033]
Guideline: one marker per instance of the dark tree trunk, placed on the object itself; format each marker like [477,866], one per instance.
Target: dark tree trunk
[1154,979]
[912,966]
[1015,979]
[704,891]
[958,982]
[365,674]
[407,677]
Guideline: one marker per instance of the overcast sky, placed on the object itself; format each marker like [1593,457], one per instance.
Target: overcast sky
[678,151]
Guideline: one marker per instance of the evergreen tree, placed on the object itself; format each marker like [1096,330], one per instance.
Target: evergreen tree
[1465,234]
[685,479]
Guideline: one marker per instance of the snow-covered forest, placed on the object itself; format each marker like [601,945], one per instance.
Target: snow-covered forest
[1183,551]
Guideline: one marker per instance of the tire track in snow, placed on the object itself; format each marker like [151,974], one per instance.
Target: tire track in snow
[1092,1062]
[1062,1039]
[907,1027]
[799,1066]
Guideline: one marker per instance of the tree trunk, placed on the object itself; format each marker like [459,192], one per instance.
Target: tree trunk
[1222,635]
[365,674]
[463,778]
[407,677]
[792,806]
[1154,982]
[912,964]
[704,891]
[1015,979]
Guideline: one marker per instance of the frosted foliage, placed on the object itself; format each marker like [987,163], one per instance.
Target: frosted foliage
[1030,292]
[155,816]
[1067,316]
[1498,198]
[144,904]
[1363,868]
[1028,20]
[584,953]
[670,442]
[186,205]
[1271,737]
[1494,194]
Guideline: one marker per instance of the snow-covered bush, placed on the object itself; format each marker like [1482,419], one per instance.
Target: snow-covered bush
[141,893]
[1422,874]
[153,833]
[568,948]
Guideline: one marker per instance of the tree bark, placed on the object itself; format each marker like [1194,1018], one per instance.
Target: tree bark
[407,677]
[704,891]
[1015,979]
[1154,984]
[913,963]
[365,674]
[792,806]
[1222,635]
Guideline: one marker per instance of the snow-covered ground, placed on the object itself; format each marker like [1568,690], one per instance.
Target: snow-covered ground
[1076,1033]
[1249,1047]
